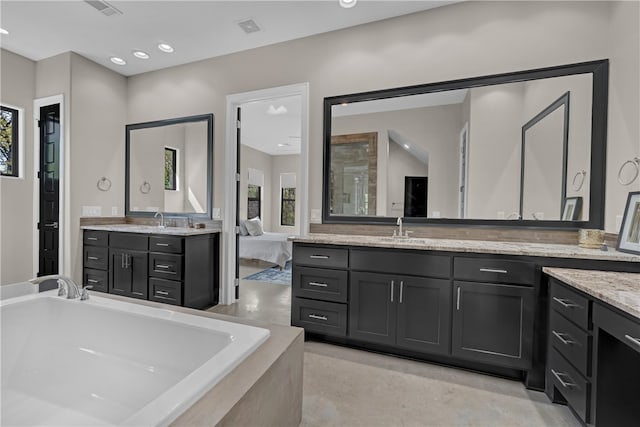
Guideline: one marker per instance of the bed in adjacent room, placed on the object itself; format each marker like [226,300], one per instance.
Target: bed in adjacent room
[274,248]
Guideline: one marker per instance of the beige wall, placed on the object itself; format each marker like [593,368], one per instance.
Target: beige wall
[18,76]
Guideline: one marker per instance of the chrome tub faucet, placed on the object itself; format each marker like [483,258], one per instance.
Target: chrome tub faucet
[67,287]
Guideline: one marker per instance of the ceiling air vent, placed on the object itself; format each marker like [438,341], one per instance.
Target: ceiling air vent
[249,26]
[103,7]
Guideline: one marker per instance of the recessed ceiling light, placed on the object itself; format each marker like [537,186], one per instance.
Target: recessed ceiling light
[3,31]
[406,146]
[140,54]
[276,111]
[348,3]
[286,144]
[165,47]
[118,61]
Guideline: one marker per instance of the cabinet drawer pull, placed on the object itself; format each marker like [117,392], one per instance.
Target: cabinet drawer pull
[318,284]
[318,317]
[562,338]
[559,376]
[565,302]
[162,293]
[635,341]
[93,258]
[401,288]
[319,256]
[458,299]
[92,238]
[493,270]
[93,281]
[164,266]
[162,244]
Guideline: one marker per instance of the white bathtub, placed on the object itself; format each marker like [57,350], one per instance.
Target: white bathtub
[106,362]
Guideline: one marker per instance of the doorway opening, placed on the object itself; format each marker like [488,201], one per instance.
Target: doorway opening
[266,180]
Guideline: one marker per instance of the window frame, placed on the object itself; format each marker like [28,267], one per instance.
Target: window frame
[257,199]
[283,200]
[15,142]
[174,171]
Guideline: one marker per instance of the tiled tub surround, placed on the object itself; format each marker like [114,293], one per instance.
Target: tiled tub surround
[472,246]
[240,395]
[621,290]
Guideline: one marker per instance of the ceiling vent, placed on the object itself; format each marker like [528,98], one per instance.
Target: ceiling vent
[103,7]
[249,26]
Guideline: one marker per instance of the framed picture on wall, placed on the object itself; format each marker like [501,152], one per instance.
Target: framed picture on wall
[572,209]
[629,236]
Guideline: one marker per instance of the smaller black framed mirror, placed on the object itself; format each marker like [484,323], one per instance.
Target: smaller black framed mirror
[169,167]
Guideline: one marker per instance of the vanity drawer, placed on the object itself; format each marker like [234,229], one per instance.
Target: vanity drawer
[318,283]
[389,261]
[167,244]
[494,270]
[320,256]
[96,257]
[621,327]
[134,242]
[570,304]
[99,279]
[166,291]
[574,388]
[95,238]
[167,266]
[328,318]
[572,342]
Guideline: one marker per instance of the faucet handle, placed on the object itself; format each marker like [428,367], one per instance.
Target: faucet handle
[84,293]
[62,288]
[407,232]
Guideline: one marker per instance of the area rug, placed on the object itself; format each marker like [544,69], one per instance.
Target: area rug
[273,275]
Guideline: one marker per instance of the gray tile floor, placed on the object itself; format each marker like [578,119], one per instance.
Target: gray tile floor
[348,387]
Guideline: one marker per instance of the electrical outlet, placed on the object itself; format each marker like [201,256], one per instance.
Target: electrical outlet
[114,211]
[91,210]
[215,213]
[316,216]
[436,214]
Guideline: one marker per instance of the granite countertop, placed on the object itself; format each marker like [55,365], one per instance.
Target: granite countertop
[476,246]
[621,290]
[151,229]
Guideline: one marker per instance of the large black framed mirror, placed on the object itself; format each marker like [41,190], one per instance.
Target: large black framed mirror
[462,147]
[169,167]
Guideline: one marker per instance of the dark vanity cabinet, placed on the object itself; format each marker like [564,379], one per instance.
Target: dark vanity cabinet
[493,313]
[389,305]
[178,270]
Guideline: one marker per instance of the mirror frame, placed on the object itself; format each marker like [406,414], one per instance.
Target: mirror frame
[599,107]
[208,118]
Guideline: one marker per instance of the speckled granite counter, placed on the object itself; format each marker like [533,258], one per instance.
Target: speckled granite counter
[151,229]
[476,246]
[621,290]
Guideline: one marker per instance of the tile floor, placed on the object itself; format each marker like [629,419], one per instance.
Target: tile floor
[348,387]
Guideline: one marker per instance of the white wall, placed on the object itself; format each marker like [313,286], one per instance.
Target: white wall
[18,76]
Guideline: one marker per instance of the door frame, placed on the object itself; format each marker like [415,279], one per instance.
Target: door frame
[64,265]
[227,286]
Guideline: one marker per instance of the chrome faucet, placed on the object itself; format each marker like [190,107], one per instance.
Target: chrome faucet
[66,286]
[399,224]
[161,219]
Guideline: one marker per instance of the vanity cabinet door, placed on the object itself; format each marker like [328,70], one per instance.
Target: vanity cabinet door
[128,273]
[493,324]
[372,307]
[424,313]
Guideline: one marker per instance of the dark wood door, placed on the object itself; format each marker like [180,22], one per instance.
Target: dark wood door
[128,273]
[424,313]
[373,307]
[48,224]
[493,324]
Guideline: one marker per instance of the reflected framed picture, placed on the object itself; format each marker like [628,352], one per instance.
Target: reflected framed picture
[572,209]
[629,236]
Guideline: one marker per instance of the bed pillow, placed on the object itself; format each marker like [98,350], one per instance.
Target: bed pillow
[254,226]
[243,228]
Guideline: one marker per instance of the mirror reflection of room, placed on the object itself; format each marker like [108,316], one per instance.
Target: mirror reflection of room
[466,146]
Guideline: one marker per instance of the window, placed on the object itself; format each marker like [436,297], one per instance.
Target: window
[9,143]
[169,168]
[254,199]
[288,207]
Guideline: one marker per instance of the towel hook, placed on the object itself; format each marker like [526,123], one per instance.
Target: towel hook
[145,188]
[578,176]
[104,184]
[636,163]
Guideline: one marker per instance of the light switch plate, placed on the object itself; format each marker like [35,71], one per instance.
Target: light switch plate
[215,213]
[316,216]
[114,210]
[91,210]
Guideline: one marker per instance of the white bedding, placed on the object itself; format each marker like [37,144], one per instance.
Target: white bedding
[270,247]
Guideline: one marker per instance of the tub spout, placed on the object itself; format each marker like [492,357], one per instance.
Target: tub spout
[66,285]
